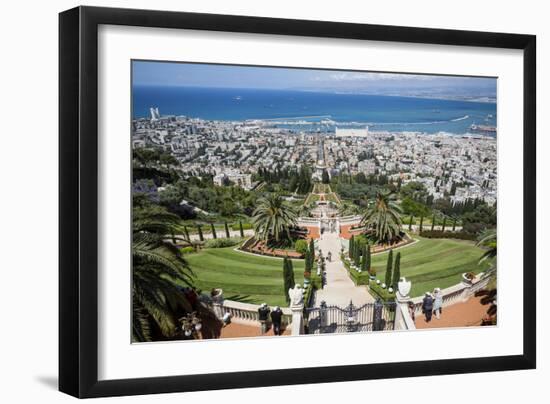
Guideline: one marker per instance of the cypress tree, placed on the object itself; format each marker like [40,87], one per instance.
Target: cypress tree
[357,254]
[214,235]
[396,270]
[241,228]
[199,229]
[368,257]
[227,234]
[444,223]
[290,273]
[454,223]
[421,221]
[364,263]
[288,277]
[312,250]
[389,268]
[410,223]
[307,262]
[350,248]
[433,222]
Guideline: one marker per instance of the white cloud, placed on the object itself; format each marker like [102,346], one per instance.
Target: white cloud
[358,76]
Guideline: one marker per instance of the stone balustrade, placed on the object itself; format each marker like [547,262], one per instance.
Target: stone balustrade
[245,313]
[458,293]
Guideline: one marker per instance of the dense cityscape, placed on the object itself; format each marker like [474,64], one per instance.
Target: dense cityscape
[458,167]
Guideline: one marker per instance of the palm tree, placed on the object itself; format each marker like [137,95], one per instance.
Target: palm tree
[348,209]
[489,240]
[273,218]
[158,270]
[383,216]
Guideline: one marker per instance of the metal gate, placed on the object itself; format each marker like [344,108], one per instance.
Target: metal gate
[377,316]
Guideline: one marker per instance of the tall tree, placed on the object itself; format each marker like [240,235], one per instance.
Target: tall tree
[157,269]
[488,239]
[421,221]
[288,277]
[389,266]
[273,218]
[364,260]
[357,254]
[444,223]
[384,218]
[433,222]
[213,230]
[227,234]
[351,248]
[199,230]
[397,270]
[241,230]
[410,223]
[368,258]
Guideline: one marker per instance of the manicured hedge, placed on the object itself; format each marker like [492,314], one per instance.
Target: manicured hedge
[246,226]
[383,294]
[222,242]
[460,235]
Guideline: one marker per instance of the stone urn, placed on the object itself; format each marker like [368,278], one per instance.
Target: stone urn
[404,287]
[217,295]
[468,278]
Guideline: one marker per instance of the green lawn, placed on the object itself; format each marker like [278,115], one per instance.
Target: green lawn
[243,277]
[432,263]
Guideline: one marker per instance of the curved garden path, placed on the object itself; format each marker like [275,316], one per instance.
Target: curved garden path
[339,288]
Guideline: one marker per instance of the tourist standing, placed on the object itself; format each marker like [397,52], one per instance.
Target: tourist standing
[329,256]
[276,319]
[438,303]
[412,310]
[428,306]
[263,315]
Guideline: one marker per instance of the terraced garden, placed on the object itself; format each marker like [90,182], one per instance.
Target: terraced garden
[432,263]
[243,277]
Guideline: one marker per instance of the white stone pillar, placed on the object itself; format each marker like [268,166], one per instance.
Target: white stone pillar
[297,319]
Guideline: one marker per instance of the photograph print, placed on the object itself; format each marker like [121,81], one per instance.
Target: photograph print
[277,201]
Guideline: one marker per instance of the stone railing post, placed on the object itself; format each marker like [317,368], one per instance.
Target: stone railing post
[217,303]
[297,319]
[297,308]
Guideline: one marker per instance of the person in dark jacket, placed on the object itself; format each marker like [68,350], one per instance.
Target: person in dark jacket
[428,306]
[276,319]
[263,316]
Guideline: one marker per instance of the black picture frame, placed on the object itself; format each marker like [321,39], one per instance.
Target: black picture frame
[78,200]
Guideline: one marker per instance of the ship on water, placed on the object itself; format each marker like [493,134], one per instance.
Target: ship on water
[483,129]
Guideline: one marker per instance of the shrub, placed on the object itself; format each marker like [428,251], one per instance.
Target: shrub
[301,247]
[222,242]
[383,294]
[246,226]
[187,250]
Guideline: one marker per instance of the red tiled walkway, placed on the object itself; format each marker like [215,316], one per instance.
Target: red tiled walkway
[469,313]
[313,232]
[235,330]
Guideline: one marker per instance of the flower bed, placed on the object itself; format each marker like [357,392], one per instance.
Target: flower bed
[257,247]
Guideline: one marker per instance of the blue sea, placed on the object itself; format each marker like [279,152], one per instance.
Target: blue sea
[304,110]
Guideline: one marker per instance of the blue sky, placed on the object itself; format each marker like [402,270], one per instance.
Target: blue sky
[227,76]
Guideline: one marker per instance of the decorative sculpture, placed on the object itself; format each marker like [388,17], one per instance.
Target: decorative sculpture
[296,295]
